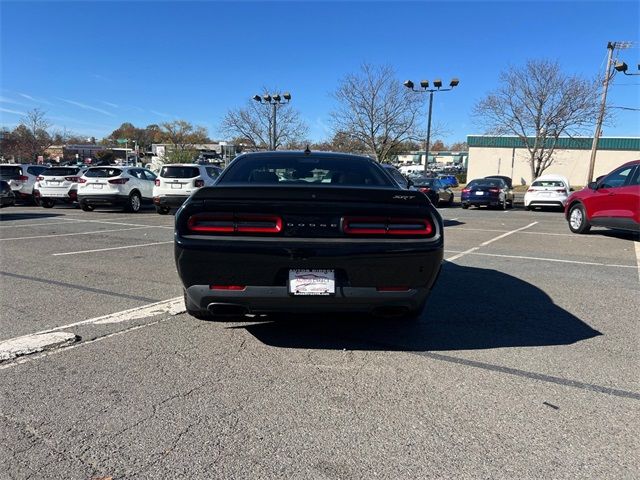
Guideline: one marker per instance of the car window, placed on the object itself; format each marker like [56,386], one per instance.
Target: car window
[103,172]
[486,183]
[149,175]
[617,179]
[548,183]
[137,173]
[635,178]
[336,171]
[8,172]
[179,172]
[213,171]
[398,177]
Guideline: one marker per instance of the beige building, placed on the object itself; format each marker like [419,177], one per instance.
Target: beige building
[507,156]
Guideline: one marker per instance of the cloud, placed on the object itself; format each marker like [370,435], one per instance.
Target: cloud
[8,100]
[161,114]
[34,99]
[84,106]
[109,104]
[14,112]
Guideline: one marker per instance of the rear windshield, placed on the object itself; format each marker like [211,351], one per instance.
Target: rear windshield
[103,172]
[59,171]
[547,183]
[425,181]
[9,172]
[179,172]
[486,183]
[306,170]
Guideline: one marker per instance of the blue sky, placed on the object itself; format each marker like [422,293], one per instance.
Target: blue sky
[93,65]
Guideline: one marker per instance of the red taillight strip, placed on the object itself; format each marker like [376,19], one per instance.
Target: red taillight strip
[227,223]
[386,226]
[236,288]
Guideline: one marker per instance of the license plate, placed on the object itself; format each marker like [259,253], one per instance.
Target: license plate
[56,195]
[54,183]
[176,185]
[479,193]
[312,282]
[97,185]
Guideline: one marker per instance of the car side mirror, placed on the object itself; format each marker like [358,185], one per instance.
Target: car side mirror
[592,185]
[572,189]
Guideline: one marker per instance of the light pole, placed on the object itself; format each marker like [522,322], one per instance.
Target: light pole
[275,101]
[424,85]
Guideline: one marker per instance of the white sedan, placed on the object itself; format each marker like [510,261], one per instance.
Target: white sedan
[547,191]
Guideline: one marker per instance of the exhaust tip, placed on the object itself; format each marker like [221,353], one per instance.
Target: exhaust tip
[227,309]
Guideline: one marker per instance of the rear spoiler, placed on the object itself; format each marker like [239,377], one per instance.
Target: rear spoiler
[307,193]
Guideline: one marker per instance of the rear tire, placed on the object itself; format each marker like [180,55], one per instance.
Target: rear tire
[86,207]
[134,203]
[194,311]
[465,206]
[163,210]
[578,222]
[47,202]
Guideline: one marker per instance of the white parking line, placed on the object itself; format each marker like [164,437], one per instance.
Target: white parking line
[637,245]
[52,222]
[38,341]
[72,234]
[483,244]
[119,223]
[110,248]
[545,259]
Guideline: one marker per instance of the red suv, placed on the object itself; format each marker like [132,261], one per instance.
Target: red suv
[612,201]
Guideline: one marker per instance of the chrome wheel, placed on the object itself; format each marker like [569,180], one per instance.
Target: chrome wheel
[576,218]
[135,202]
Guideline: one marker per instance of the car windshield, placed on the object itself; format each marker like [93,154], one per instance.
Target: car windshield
[424,181]
[548,183]
[59,171]
[10,172]
[288,170]
[213,172]
[103,172]
[179,172]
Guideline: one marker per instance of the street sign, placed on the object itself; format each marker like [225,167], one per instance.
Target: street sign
[122,140]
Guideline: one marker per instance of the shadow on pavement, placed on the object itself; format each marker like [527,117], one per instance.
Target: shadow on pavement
[470,308]
[621,234]
[7,216]
[452,223]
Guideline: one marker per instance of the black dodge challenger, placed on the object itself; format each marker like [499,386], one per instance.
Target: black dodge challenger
[307,232]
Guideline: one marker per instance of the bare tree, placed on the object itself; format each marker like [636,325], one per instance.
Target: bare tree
[182,134]
[33,138]
[538,103]
[376,110]
[254,124]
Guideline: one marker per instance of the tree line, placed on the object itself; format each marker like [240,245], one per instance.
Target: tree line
[373,115]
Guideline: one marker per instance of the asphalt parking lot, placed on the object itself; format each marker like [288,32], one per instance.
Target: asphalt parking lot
[524,365]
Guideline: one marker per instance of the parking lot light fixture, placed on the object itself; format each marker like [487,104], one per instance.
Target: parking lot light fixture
[424,84]
[275,100]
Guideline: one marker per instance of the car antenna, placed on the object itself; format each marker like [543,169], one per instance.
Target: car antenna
[306,150]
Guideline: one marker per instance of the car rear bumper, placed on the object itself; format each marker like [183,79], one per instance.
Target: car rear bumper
[477,201]
[262,267]
[57,193]
[108,200]
[258,299]
[169,200]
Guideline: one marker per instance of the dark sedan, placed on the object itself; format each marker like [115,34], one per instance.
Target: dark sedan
[307,232]
[490,192]
[438,193]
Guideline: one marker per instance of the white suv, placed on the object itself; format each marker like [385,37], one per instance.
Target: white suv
[21,178]
[179,180]
[57,183]
[128,187]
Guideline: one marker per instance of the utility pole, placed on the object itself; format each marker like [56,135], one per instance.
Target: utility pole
[608,75]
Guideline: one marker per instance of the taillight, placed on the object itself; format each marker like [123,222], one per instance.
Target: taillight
[199,183]
[23,178]
[39,178]
[424,189]
[157,182]
[71,179]
[494,190]
[118,181]
[531,190]
[560,190]
[227,287]
[386,226]
[228,223]
[82,180]
[466,190]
